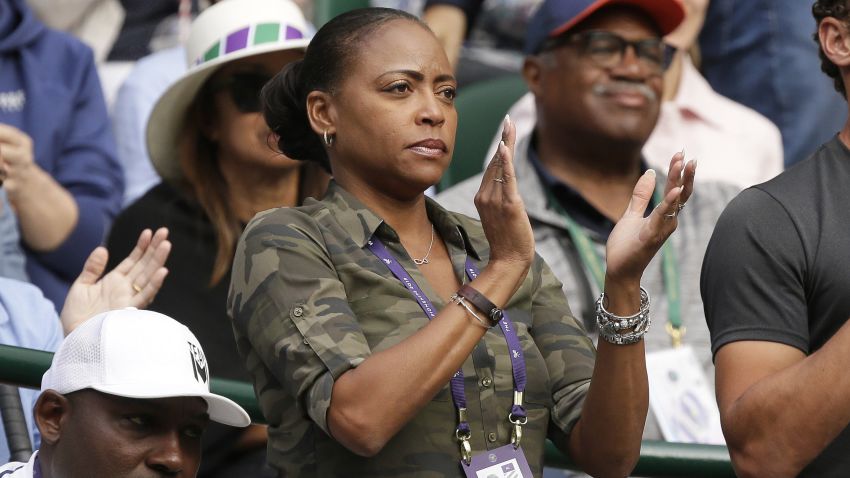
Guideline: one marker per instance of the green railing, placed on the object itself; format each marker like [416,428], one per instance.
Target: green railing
[24,368]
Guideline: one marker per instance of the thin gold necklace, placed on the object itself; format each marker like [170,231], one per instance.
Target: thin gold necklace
[424,259]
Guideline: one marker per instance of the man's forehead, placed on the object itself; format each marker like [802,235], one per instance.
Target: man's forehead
[191,405]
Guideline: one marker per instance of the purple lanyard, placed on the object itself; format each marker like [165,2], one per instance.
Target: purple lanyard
[517,414]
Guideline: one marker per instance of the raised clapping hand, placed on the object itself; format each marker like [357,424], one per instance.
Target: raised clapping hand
[500,206]
[16,159]
[636,239]
[133,283]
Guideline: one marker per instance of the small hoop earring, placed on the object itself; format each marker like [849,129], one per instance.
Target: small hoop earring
[329,139]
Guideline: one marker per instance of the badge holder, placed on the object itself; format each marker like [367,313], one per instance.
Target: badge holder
[679,394]
[504,462]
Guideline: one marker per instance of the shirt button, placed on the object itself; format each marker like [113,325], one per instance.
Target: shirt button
[491,437]
[486,382]
[298,312]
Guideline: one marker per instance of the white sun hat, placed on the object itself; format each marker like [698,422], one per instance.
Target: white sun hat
[138,354]
[227,31]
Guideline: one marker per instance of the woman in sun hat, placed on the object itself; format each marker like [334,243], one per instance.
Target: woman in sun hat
[212,148]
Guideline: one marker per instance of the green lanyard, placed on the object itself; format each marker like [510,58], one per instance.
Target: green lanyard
[596,265]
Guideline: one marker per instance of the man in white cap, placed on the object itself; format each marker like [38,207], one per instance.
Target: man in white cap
[127,394]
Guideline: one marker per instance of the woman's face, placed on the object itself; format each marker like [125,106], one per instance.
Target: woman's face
[237,125]
[393,113]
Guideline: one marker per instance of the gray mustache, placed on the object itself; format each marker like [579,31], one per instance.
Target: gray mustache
[615,87]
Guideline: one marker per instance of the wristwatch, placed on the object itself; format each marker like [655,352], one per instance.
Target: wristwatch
[482,303]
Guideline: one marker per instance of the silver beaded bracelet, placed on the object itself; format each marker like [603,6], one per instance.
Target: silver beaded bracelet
[623,330]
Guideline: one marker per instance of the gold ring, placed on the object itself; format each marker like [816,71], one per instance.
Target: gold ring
[671,215]
[499,180]
[137,288]
[679,207]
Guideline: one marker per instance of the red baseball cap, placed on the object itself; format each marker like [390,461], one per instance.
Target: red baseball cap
[554,17]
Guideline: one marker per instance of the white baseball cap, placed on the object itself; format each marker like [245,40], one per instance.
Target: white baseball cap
[138,354]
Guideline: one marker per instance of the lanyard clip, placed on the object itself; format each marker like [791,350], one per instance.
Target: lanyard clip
[676,334]
[516,435]
[518,417]
[463,434]
[465,451]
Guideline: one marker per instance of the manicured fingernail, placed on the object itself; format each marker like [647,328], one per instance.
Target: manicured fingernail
[695,164]
[502,143]
[682,152]
[650,172]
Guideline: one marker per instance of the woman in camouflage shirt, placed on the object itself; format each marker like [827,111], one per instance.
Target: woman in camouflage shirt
[351,374]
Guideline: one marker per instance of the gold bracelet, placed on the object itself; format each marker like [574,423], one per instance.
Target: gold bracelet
[456,299]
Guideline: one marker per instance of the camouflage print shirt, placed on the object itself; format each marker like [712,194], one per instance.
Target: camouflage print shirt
[309,302]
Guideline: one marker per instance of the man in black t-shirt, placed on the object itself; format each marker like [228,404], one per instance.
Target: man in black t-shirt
[776,290]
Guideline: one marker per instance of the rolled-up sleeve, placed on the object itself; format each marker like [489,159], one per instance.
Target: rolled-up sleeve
[287,300]
[567,350]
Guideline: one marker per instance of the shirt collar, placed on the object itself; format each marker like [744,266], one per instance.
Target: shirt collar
[362,223]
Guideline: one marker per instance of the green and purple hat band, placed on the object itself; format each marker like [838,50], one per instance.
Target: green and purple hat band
[251,35]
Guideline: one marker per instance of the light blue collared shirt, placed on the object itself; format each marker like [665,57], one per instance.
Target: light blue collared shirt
[27,319]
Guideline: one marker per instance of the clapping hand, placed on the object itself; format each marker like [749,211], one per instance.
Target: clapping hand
[501,208]
[636,239]
[16,159]
[133,283]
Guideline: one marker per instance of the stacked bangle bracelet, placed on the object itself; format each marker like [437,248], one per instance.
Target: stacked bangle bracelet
[623,330]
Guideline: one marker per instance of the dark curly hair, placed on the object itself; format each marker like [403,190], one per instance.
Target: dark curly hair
[836,9]
[329,56]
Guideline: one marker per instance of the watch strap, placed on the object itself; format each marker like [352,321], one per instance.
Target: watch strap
[482,303]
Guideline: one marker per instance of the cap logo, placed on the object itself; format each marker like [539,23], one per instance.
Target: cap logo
[199,363]
[247,36]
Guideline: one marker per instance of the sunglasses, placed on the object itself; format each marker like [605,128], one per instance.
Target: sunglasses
[244,89]
[607,49]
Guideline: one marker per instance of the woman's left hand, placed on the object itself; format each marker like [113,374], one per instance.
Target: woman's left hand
[635,239]
[133,283]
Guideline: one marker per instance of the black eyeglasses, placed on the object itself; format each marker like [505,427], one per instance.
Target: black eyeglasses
[244,90]
[607,49]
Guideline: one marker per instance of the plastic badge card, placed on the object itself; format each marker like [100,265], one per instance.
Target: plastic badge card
[681,398]
[503,462]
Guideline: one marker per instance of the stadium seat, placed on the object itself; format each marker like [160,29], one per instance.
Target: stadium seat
[324,10]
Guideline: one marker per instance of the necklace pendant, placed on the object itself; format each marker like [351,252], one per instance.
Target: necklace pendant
[424,259]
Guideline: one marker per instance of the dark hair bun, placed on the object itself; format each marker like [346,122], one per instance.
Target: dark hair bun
[285,109]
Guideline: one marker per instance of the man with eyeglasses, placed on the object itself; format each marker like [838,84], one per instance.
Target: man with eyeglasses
[595,69]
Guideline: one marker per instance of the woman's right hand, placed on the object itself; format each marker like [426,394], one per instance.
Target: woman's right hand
[501,209]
